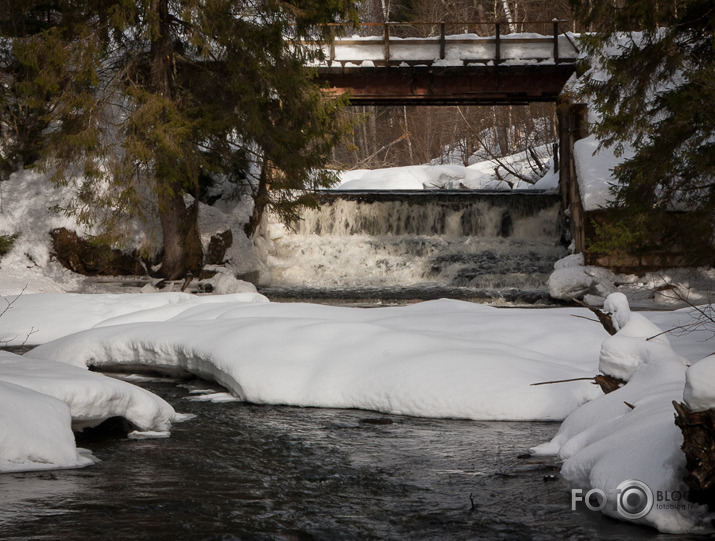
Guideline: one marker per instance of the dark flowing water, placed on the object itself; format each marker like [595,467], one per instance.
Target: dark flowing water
[240,471]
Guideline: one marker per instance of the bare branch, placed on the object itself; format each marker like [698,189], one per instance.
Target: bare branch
[591,378]
[10,303]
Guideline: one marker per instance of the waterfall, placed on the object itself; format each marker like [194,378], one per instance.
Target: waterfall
[473,240]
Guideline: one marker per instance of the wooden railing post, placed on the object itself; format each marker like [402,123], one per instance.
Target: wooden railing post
[556,41]
[332,46]
[497,46]
[387,42]
[442,42]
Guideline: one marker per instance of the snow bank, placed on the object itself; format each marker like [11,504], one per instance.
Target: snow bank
[629,434]
[42,402]
[36,432]
[91,398]
[478,176]
[26,202]
[38,318]
[422,177]
[435,359]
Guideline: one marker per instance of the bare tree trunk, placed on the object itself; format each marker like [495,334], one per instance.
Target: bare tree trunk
[509,18]
[367,145]
[372,119]
[385,10]
[407,134]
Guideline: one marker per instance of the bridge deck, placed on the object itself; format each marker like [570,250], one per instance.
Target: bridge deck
[449,69]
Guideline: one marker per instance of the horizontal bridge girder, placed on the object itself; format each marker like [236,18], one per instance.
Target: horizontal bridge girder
[448,85]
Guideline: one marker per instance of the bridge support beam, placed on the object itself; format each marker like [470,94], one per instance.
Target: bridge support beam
[448,85]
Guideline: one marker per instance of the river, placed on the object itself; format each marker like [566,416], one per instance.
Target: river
[242,471]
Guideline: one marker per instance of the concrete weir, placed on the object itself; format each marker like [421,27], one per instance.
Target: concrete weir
[425,244]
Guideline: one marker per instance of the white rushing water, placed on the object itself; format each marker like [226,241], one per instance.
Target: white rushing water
[488,241]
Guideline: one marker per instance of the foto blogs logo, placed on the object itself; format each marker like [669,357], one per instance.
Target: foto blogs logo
[634,499]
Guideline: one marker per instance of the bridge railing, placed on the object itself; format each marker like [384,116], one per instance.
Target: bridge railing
[449,43]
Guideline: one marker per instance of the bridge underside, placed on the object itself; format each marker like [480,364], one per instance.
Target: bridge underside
[448,85]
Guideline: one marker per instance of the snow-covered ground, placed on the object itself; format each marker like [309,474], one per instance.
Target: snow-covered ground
[29,210]
[439,359]
[478,176]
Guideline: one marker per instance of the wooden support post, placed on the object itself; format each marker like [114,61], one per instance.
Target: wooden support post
[497,45]
[573,125]
[442,42]
[555,152]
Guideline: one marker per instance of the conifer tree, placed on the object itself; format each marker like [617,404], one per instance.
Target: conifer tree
[154,94]
[657,94]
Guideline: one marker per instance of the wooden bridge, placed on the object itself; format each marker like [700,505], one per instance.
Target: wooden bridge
[449,68]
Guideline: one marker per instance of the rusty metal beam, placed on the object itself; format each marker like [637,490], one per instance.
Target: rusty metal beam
[448,85]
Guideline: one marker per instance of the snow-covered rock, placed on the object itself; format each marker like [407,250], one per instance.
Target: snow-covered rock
[224,282]
[571,280]
[571,260]
[699,392]
[569,283]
